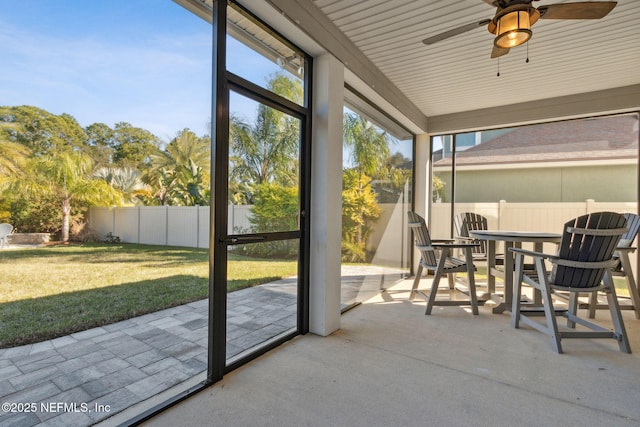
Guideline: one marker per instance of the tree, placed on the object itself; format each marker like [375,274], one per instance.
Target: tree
[369,151]
[101,143]
[127,181]
[389,184]
[438,194]
[133,146]
[180,172]
[267,149]
[359,210]
[12,158]
[39,130]
[368,147]
[187,188]
[185,147]
[68,176]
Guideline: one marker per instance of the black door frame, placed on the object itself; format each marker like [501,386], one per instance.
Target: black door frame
[223,83]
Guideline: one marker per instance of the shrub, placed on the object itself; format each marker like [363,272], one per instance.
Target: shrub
[359,210]
[110,238]
[275,208]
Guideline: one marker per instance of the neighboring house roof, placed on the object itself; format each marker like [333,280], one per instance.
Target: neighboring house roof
[603,138]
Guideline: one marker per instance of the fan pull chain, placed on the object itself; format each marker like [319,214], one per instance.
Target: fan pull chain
[527,61]
[498,75]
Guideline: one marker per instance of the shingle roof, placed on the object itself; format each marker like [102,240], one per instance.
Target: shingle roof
[600,138]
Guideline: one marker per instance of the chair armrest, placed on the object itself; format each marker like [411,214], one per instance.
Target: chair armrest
[533,253]
[456,245]
[625,249]
[584,264]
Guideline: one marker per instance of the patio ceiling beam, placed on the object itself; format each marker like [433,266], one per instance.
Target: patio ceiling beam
[610,101]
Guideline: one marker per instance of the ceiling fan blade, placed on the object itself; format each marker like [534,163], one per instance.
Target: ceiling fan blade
[504,3]
[579,10]
[498,51]
[455,32]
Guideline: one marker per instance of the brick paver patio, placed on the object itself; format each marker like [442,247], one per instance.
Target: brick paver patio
[71,380]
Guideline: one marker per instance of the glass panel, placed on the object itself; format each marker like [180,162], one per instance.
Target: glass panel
[262,288]
[537,177]
[263,168]
[119,313]
[576,161]
[256,55]
[377,193]
[442,187]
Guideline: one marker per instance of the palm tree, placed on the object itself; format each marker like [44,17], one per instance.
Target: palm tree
[184,147]
[127,180]
[67,175]
[266,151]
[12,158]
[190,189]
[180,172]
[368,147]
[369,153]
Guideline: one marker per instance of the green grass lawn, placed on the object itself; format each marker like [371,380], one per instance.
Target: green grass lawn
[57,290]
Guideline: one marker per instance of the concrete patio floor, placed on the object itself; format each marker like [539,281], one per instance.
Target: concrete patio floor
[391,365]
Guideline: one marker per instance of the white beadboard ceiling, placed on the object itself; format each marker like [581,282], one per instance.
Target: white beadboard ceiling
[380,41]
[457,74]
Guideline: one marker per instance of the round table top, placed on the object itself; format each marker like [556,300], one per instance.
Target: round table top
[515,236]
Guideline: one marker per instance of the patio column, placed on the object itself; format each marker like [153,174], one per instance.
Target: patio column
[422,184]
[326,196]
[423,176]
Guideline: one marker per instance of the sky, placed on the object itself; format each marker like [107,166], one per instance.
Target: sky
[144,62]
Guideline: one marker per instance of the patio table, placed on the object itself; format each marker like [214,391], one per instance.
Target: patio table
[511,239]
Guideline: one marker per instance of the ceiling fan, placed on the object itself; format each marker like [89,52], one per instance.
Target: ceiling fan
[514,18]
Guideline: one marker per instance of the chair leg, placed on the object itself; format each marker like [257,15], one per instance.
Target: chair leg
[517,292]
[432,294]
[436,280]
[416,282]
[573,308]
[550,315]
[633,293]
[616,315]
[593,302]
[452,281]
[551,328]
[472,281]
[631,283]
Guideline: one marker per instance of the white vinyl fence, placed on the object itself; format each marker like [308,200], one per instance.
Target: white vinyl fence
[189,225]
[543,217]
[163,225]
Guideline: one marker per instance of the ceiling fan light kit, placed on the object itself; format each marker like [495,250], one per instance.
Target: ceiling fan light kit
[512,29]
